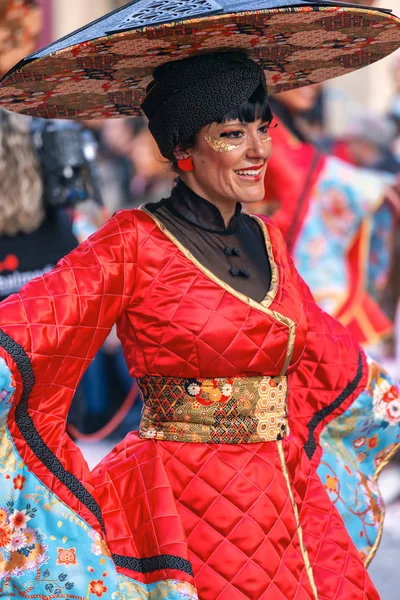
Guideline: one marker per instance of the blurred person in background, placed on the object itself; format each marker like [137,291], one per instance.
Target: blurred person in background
[394,107]
[326,209]
[34,235]
[394,114]
[114,165]
[368,142]
[131,168]
[152,178]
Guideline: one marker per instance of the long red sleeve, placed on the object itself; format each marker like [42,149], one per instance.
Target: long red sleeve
[51,331]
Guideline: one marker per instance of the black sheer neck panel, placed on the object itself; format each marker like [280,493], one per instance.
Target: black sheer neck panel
[235,254]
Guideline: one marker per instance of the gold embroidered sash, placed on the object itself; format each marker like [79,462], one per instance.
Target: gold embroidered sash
[237,410]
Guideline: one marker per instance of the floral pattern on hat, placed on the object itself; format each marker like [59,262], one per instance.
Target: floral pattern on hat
[108,76]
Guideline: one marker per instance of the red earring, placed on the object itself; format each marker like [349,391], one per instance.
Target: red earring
[186,164]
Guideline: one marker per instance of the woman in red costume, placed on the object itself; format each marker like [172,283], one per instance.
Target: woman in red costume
[217,496]
[331,215]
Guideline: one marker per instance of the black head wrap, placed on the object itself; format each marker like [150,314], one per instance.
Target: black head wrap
[188,94]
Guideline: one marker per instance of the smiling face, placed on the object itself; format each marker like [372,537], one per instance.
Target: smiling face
[230,160]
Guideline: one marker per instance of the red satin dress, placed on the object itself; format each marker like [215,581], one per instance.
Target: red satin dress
[237,521]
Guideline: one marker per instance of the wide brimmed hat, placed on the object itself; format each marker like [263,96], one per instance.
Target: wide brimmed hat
[103,69]
[20,26]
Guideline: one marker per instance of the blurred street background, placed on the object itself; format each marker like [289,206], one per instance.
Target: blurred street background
[356,117]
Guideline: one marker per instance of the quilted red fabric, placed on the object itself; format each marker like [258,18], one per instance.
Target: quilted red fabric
[229,512]
[226,509]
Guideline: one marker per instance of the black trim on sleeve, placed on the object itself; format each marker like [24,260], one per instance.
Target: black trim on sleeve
[50,460]
[31,434]
[311,444]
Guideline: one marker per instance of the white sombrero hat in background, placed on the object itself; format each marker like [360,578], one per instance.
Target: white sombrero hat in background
[103,69]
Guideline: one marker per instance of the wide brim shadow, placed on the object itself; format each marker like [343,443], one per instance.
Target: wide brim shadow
[106,76]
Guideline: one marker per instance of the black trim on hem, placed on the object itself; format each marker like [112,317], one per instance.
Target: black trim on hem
[310,446]
[156,563]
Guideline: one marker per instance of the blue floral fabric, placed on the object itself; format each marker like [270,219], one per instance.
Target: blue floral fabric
[356,446]
[46,550]
[339,204]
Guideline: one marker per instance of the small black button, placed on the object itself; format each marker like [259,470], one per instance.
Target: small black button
[234,271]
[245,273]
[235,252]
[228,251]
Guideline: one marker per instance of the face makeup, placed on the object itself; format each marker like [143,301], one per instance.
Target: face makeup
[230,161]
[218,144]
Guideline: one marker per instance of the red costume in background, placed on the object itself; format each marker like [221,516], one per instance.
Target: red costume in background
[323,201]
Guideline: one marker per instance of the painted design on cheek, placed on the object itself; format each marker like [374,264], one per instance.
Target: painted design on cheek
[267,139]
[219,145]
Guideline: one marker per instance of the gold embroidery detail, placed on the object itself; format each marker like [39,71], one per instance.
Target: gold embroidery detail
[218,144]
[386,460]
[265,303]
[374,372]
[8,461]
[304,552]
[377,543]
[237,410]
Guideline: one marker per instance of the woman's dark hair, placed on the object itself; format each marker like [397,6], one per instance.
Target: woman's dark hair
[256,107]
